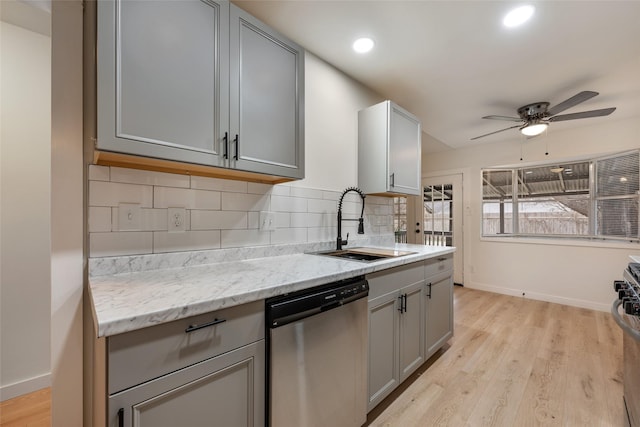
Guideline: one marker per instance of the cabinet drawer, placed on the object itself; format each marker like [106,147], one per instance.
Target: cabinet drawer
[383,282]
[438,265]
[145,354]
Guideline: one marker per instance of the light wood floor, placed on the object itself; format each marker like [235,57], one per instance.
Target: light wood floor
[31,410]
[515,362]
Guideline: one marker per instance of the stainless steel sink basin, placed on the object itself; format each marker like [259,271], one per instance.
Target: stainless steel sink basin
[364,254]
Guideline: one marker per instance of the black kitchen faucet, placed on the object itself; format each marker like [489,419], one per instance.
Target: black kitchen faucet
[339,241]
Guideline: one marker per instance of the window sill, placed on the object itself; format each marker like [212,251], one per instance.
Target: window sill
[562,242]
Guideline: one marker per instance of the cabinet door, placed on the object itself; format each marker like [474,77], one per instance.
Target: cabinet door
[266,100]
[227,390]
[404,152]
[439,311]
[163,78]
[383,347]
[411,330]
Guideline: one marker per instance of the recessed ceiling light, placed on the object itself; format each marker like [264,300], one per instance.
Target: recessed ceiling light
[363,45]
[518,16]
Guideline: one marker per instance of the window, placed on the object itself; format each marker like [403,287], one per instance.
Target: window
[400,219]
[595,198]
[438,215]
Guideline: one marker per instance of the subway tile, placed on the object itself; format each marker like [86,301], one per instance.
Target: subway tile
[281,190]
[137,176]
[120,243]
[98,173]
[288,204]
[99,219]
[321,234]
[306,219]
[351,209]
[164,241]
[288,235]
[150,219]
[218,220]
[167,197]
[206,183]
[112,194]
[243,238]
[245,202]
[331,195]
[308,193]
[322,206]
[259,188]
[253,220]
[282,219]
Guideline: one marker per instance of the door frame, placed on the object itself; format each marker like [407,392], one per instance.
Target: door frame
[457,180]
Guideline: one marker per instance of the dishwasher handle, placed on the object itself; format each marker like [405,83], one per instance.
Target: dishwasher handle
[290,308]
[620,321]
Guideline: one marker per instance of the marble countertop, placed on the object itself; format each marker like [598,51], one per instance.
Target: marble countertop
[130,301]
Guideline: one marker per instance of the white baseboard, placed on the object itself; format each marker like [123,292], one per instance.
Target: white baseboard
[10,391]
[574,302]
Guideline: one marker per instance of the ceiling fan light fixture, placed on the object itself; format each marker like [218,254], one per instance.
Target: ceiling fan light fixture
[534,129]
[518,16]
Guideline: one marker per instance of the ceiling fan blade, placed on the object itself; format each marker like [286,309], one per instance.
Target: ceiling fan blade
[574,100]
[507,118]
[582,115]
[498,131]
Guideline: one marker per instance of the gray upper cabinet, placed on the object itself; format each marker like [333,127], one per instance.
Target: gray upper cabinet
[389,150]
[162,84]
[267,99]
[199,82]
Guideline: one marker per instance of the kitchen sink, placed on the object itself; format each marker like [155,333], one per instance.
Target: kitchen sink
[364,254]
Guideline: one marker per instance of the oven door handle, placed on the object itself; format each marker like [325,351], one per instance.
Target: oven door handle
[620,321]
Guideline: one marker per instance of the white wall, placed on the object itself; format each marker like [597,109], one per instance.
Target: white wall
[577,274]
[332,102]
[25,275]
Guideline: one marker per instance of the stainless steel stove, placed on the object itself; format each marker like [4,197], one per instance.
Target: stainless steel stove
[626,312]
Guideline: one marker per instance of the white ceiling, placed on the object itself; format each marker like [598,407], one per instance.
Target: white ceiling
[452,62]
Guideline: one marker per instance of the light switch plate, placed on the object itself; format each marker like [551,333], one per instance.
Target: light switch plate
[267,221]
[176,219]
[129,217]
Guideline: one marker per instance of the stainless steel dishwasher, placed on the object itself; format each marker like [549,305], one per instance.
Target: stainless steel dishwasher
[317,356]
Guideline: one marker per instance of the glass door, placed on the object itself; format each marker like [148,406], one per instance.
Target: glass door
[438,215]
[442,217]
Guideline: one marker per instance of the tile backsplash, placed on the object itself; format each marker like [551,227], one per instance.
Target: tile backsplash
[220,213]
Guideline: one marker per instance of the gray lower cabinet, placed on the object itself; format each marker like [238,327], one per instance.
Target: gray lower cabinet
[208,370]
[199,82]
[439,311]
[223,391]
[410,318]
[396,336]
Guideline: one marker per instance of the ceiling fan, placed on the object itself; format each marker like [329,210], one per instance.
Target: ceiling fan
[534,118]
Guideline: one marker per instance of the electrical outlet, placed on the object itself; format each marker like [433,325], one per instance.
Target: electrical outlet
[267,221]
[176,219]
[129,217]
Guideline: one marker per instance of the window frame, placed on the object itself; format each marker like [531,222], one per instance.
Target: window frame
[593,225]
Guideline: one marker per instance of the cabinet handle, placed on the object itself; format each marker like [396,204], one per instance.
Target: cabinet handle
[403,303]
[442,259]
[225,155]
[429,294]
[393,179]
[235,157]
[216,321]
[121,417]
